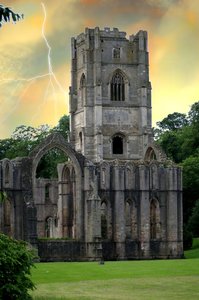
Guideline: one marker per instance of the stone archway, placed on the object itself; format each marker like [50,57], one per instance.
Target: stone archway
[77,160]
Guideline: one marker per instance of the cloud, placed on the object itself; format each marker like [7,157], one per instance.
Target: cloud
[173,45]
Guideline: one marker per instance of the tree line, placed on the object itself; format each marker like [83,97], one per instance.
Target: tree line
[178,135]
[25,138]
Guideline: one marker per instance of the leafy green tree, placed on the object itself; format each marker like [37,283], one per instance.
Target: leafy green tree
[172,122]
[190,184]
[193,223]
[15,266]
[63,126]
[193,114]
[47,167]
[6,15]
[23,140]
[178,135]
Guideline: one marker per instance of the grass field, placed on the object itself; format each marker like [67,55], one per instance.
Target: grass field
[157,279]
[122,280]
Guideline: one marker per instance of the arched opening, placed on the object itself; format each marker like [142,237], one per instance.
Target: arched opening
[62,189]
[154,219]
[150,154]
[117,145]
[46,191]
[104,221]
[47,166]
[117,87]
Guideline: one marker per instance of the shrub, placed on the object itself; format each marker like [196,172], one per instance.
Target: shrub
[16,261]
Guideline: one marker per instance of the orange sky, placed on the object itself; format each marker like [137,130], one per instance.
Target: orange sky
[32,94]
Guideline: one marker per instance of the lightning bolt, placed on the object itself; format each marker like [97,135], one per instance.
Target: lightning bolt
[53,83]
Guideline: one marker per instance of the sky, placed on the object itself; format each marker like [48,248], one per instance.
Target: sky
[35,54]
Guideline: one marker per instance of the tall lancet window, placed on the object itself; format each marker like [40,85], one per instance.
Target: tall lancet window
[82,89]
[117,87]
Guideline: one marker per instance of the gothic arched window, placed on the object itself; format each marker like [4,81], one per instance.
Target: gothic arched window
[150,154]
[117,145]
[82,89]
[117,87]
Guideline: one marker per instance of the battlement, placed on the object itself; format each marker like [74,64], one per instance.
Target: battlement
[107,33]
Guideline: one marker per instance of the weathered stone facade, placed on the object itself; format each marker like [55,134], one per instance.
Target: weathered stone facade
[117,197]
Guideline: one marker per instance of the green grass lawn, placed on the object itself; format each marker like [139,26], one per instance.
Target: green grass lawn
[157,279]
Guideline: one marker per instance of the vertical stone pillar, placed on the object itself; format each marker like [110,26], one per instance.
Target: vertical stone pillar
[93,218]
[144,212]
[29,219]
[173,223]
[119,211]
[180,214]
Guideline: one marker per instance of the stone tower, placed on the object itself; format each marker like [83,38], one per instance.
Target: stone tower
[110,96]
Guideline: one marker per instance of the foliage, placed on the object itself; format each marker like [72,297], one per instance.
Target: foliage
[178,135]
[63,126]
[195,244]
[6,14]
[25,138]
[3,196]
[187,238]
[194,252]
[193,222]
[15,265]
[47,167]
[173,122]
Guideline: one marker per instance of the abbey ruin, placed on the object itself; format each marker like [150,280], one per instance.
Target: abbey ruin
[117,196]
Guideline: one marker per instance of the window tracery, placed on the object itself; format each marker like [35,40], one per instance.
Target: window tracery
[117,87]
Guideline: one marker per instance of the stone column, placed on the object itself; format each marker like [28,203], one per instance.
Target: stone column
[93,220]
[119,211]
[172,211]
[144,212]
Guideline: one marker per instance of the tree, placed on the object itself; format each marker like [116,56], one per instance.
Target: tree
[6,14]
[172,122]
[190,184]
[23,140]
[178,135]
[193,114]
[15,265]
[193,223]
[63,126]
